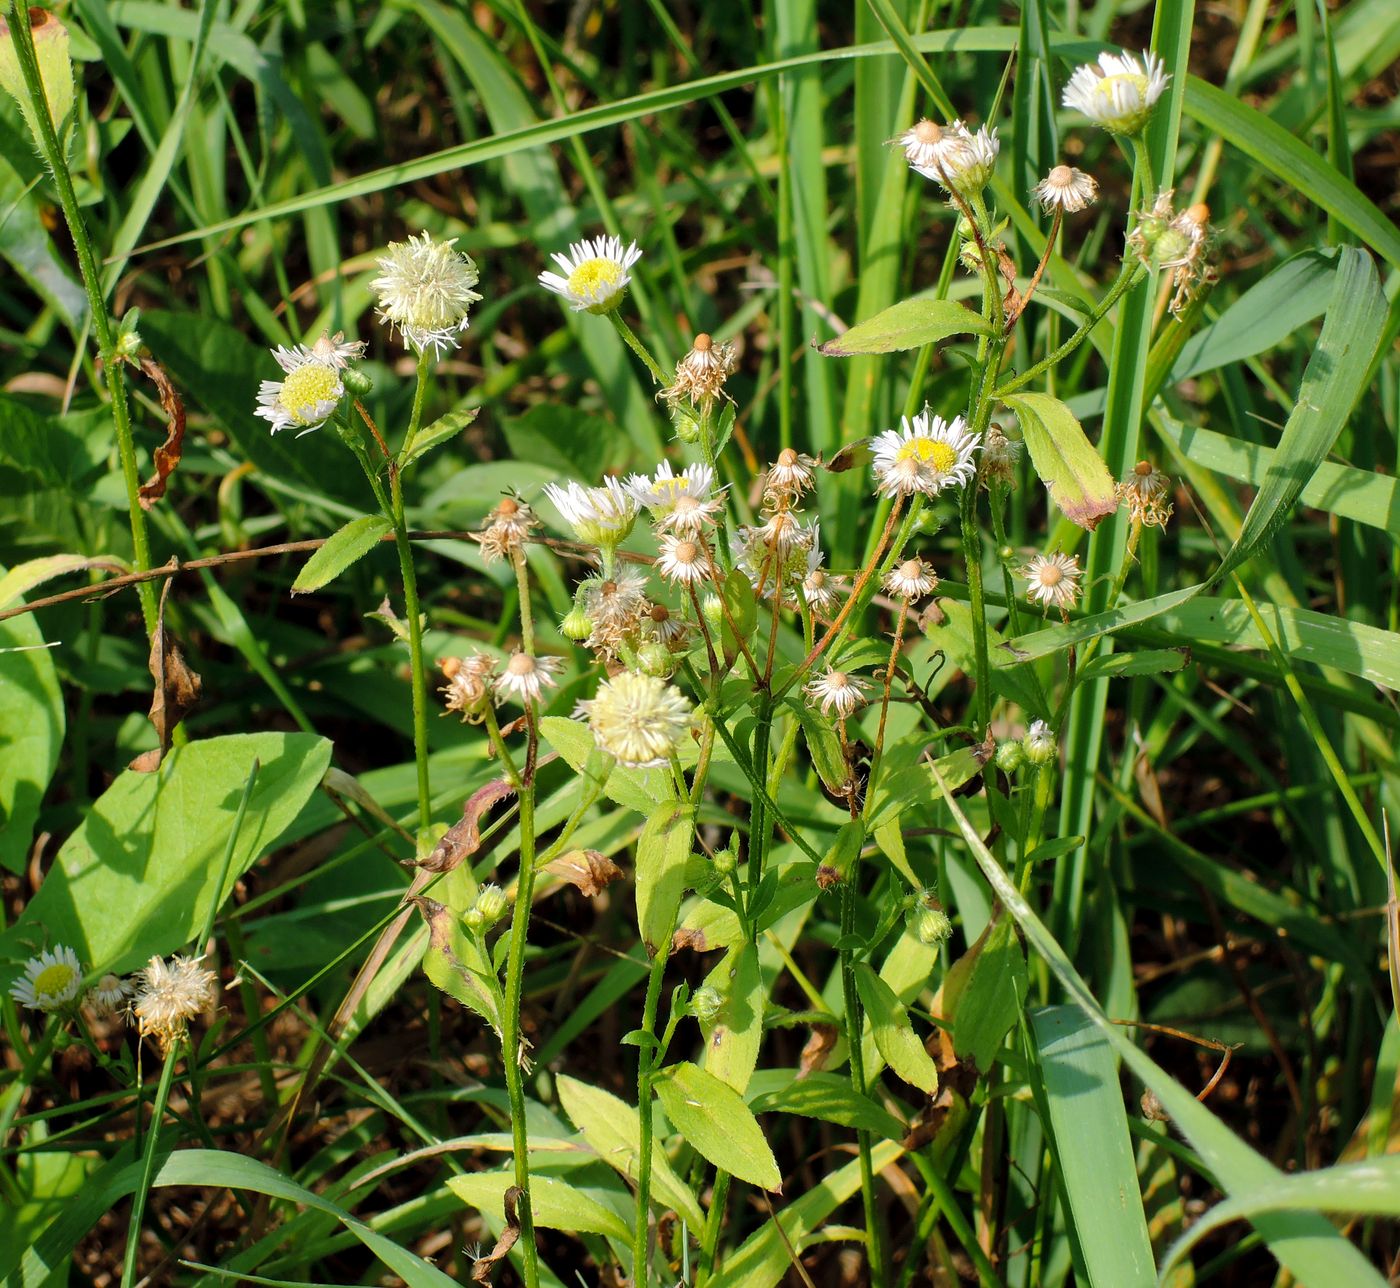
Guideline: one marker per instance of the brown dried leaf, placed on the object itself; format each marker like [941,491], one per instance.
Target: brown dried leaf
[464,836]
[167,455]
[590,870]
[692,939]
[177,689]
[481,1272]
[819,1047]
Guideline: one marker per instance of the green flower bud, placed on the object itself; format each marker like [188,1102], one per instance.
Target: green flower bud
[714,613]
[1010,757]
[1039,744]
[706,1004]
[932,926]
[356,382]
[686,424]
[474,921]
[725,862]
[576,625]
[491,904]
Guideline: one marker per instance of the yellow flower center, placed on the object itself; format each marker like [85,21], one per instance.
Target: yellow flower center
[1104,89]
[594,277]
[306,388]
[933,452]
[53,980]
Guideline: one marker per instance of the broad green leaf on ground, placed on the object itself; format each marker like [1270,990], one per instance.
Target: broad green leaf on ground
[1093,1150]
[910,324]
[568,439]
[1064,458]
[662,850]
[554,1203]
[137,877]
[734,1033]
[714,1119]
[343,547]
[31,733]
[766,1255]
[895,1038]
[610,1126]
[46,1182]
[1306,1243]
[828,1096]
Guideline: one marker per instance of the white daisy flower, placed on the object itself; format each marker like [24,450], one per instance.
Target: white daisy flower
[1054,579]
[596,272]
[926,454]
[1067,189]
[424,292]
[111,994]
[683,502]
[171,994]
[599,516]
[1118,91]
[836,691]
[334,350]
[1039,743]
[637,719]
[664,626]
[614,607]
[50,981]
[682,560]
[526,678]
[913,579]
[307,396]
[784,532]
[952,155]
[818,585]
[790,475]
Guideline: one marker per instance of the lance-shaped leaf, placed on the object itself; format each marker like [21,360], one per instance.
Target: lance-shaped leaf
[910,324]
[712,1116]
[661,854]
[895,1038]
[352,542]
[735,1032]
[1064,458]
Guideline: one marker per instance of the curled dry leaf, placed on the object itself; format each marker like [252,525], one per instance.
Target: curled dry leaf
[177,689]
[481,1272]
[818,1049]
[167,455]
[590,870]
[693,939]
[464,836]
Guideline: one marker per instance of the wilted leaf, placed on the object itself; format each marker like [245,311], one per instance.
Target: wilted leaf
[177,688]
[481,1271]
[167,455]
[589,870]
[817,1049]
[1064,458]
[464,836]
[443,964]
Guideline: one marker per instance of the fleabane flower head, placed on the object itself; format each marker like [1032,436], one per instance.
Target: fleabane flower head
[469,684]
[682,560]
[1053,579]
[506,531]
[952,155]
[701,374]
[310,391]
[1039,743]
[682,503]
[836,691]
[111,995]
[926,454]
[50,981]
[1117,92]
[912,579]
[818,585]
[1166,240]
[637,719]
[1145,492]
[526,677]
[1066,189]
[789,476]
[599,516]
[424,292]
[596,271]
[169,995]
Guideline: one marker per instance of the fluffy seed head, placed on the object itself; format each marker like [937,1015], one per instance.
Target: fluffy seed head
[169,995]
[701,374]
[424,291]
[638,719]
[1145,492]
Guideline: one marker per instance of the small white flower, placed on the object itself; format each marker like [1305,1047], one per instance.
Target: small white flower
[506,531]
[599,516]
[681,503]
[836,691]
[1118,91]
[1039,743]
[1054,579]
[50,981]
[701,374]
[951,154]
[424,292]
[169,995]
[790,475]
[682,560]
[664,626]
[614,608]
[818,585]
[110,995]
[784,532]
[469,681]
[926,454]
[526,678]
[1068,189]
[913,579]
[307,396]
[637,719]
[596,272]
[1145,491]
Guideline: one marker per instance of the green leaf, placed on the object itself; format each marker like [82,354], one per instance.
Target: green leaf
[1152,661]
[822,745]
[985,991]
[662,850]
[1093,1150]
[554,1203]
[138,876]
[442,430]
[643,790]
[574,442]
[895,1038]
[735,1033]
[44,451]
[910,324]
[714,1119]
[22,578]
[1305,1243]
[1064,458]
[612,1130]
[348,544]
[827,1096]
[31,733]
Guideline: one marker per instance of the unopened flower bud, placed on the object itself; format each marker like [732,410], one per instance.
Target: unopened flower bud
[474,921]
[1039,744]
[713,611]
[576,625]
[356,382]
[1010,757]
[706,1003]
[932,926]
[490,904]
[725,862]
[686,423]
[656,659]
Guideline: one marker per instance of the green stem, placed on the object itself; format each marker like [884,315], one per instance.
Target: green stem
[646,1066]
[714,1222]
[630,339]
[874,1243]
[148,1167]
[101,320]
[527,617]
[972,556]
